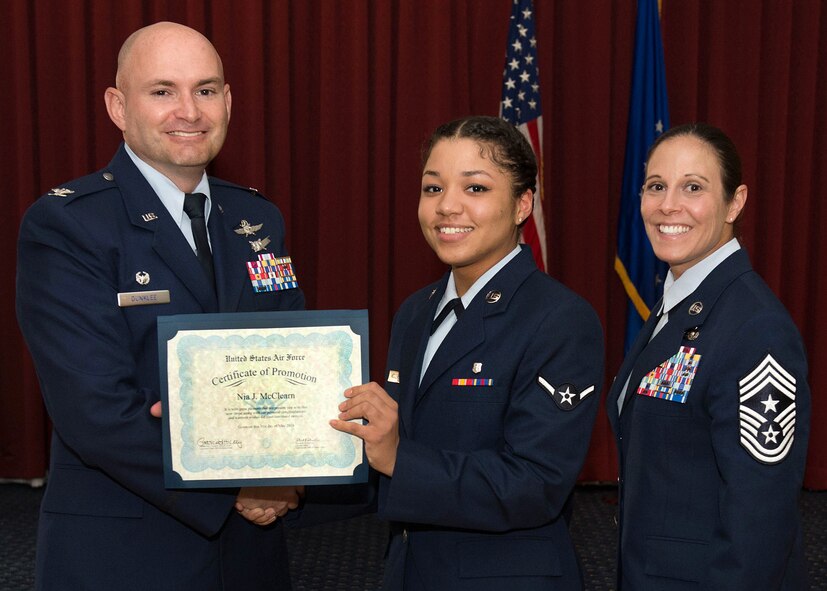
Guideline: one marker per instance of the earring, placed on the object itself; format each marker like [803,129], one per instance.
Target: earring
[520,220]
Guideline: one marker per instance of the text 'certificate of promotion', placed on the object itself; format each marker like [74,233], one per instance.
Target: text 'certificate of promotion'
[247,397]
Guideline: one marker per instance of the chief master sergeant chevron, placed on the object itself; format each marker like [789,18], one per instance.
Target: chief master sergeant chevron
[106,520]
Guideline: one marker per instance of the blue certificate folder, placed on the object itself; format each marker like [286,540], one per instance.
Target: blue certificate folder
[247,397]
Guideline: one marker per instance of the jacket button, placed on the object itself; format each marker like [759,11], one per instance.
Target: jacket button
[405,536]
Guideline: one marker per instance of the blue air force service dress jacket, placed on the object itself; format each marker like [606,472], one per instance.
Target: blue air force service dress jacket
[107,522]
[712,440]
[493,439]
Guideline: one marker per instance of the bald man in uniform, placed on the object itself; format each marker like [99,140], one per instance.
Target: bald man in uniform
[106,521]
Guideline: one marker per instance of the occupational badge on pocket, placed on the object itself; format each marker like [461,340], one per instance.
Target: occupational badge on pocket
[672,379]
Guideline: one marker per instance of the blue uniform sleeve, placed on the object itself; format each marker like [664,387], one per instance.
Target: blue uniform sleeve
[759,407]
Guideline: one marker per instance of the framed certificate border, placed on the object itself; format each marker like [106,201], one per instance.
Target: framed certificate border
[247,397]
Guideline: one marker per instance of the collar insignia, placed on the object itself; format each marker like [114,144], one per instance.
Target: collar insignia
[61,192]
[493,296]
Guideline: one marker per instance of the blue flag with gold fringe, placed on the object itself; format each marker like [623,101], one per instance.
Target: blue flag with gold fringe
[641,273]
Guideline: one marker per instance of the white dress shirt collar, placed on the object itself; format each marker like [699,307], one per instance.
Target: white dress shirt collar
[171,196]
[676,290]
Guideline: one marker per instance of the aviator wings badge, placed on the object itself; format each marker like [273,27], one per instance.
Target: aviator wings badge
[245,228]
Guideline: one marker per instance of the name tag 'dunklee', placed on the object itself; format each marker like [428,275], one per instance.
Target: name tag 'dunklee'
[143,298]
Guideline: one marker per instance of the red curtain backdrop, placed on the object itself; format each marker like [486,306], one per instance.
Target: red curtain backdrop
[333,99]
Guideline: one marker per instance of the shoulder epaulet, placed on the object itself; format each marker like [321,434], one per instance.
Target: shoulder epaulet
[249,190]
[96,182]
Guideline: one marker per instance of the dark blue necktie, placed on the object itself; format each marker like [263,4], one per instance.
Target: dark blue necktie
[194,208]
[454,306]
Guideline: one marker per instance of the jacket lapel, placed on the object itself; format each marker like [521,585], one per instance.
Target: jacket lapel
[146,211]
[414,343]
[469,332]
[690,314]
[230,253]
[652,354]
[632,356]
[464,336]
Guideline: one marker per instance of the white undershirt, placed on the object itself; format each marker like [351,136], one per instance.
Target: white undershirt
[677,290]
[450,293]
[171,196]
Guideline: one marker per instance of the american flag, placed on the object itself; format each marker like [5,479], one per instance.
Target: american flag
[520,105]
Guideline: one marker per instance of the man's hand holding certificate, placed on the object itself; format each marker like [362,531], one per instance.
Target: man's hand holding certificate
[248,397]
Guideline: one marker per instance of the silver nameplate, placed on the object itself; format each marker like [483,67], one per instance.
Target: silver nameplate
[143,298]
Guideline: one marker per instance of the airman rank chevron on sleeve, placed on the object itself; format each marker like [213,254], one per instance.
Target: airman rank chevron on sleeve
[767,411]
[567,396]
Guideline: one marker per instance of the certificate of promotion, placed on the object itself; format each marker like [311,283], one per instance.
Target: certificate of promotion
[247,397]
